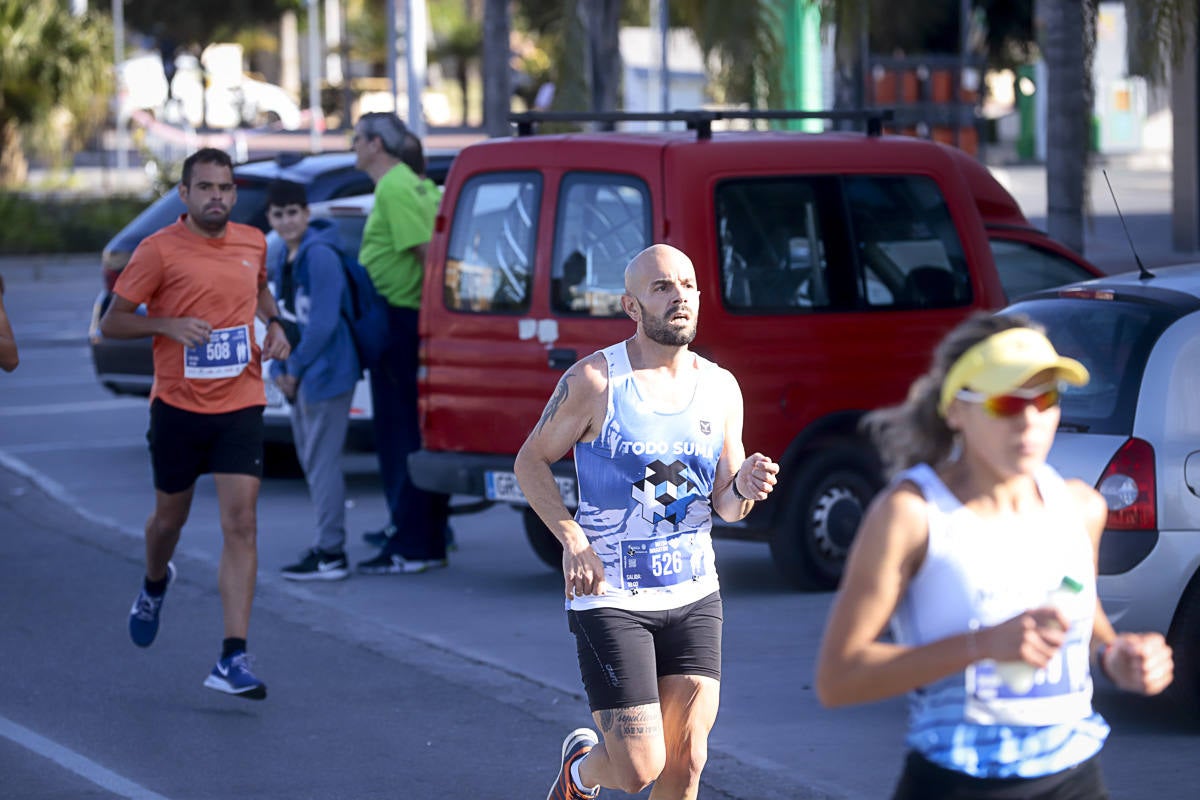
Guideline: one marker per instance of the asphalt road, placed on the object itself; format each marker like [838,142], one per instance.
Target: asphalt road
[456,683]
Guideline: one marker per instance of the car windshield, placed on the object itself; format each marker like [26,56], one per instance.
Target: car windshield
[1113,339]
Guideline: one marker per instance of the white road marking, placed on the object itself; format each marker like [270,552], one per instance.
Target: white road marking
[70,760]
[115,404]
[86,444]
[38,382]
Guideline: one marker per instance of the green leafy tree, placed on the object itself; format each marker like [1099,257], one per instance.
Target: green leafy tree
[744,37]
[55,78]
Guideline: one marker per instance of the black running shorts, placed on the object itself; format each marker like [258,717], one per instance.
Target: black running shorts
[184,444]
[622,654]
[923,779]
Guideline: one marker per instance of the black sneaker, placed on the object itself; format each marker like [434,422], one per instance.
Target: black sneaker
[384,564]
[317,565]
[379,538]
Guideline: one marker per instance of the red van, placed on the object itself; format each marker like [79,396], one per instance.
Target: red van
[829,265]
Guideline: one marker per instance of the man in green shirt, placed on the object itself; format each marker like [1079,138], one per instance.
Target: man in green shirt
[393,248]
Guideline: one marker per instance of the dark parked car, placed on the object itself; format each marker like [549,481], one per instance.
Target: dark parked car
[125,365]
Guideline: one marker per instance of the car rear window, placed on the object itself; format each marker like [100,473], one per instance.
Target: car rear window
[1113,339]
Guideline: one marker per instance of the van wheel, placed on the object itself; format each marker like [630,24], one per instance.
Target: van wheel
[1184,638]
[826,501]
[547,548]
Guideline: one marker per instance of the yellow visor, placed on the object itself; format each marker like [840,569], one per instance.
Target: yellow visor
[1006,360]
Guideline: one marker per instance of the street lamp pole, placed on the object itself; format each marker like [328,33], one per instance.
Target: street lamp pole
[314,79]
[414,45]
[118,15]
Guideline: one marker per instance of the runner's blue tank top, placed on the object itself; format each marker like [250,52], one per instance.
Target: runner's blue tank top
[644,488]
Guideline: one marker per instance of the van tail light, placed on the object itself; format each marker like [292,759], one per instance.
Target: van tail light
[1128,486]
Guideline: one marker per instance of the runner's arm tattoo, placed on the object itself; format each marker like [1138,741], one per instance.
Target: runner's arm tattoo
[631,723]
[556,400]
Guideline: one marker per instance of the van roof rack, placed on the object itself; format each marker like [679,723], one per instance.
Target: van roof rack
[700,120]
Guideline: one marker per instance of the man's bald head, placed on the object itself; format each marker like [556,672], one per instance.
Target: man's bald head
[655,260]
[661,295]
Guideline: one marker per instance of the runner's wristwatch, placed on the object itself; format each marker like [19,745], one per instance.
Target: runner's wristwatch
[278,319]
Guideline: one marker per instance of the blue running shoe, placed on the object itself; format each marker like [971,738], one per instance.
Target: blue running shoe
[143,617]
[233,676]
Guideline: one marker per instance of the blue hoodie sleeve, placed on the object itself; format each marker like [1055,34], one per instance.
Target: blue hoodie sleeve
[326,284]
[275,276]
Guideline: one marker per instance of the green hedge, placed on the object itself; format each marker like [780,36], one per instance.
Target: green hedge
[62,224]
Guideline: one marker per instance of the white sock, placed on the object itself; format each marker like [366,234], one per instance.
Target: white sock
[579,781]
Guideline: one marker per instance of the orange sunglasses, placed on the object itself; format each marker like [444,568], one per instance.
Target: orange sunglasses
[1043,398]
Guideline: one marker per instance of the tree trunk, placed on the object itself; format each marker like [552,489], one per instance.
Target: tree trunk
[497,80]
[464,81]
[14,169]
[604,42]
[850,39]
[1061,32]
[572,91]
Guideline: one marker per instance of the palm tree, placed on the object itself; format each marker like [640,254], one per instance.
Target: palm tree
[49,61]
[1067,37]
[497,85]
[745,38]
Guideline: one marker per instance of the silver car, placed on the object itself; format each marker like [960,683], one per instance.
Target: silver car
[1133,432]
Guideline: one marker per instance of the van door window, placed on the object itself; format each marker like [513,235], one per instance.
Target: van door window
[489,263]
[909,253]
[771,245]
[603,222]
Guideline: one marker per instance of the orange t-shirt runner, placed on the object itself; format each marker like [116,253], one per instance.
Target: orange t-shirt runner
[179,273]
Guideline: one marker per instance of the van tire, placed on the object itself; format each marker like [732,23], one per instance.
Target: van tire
[826,500]
[548,549]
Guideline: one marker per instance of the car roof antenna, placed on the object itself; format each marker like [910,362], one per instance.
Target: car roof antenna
[1143,273]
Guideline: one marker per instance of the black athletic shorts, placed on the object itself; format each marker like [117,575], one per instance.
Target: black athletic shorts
[622,654]
[922,779]
[184,444]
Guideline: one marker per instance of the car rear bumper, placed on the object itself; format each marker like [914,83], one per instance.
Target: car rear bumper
[124,366]
[1145,597]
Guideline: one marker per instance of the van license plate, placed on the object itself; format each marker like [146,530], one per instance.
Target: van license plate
[503,486]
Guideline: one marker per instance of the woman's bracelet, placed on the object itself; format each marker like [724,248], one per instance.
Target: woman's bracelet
[1102,651]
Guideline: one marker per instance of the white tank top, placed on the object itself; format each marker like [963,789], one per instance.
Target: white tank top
[980,572]
[645,484]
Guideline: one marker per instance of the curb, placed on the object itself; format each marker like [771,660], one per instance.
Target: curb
[49,266]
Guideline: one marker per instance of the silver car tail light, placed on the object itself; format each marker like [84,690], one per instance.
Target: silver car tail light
[1128,486]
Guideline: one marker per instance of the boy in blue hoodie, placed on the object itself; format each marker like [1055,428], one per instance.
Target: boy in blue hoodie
[319,376]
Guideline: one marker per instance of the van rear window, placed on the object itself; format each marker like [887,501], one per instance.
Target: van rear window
[603,222]
[489,265]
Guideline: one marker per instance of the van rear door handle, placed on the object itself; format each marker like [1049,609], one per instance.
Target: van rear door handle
[560,358]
